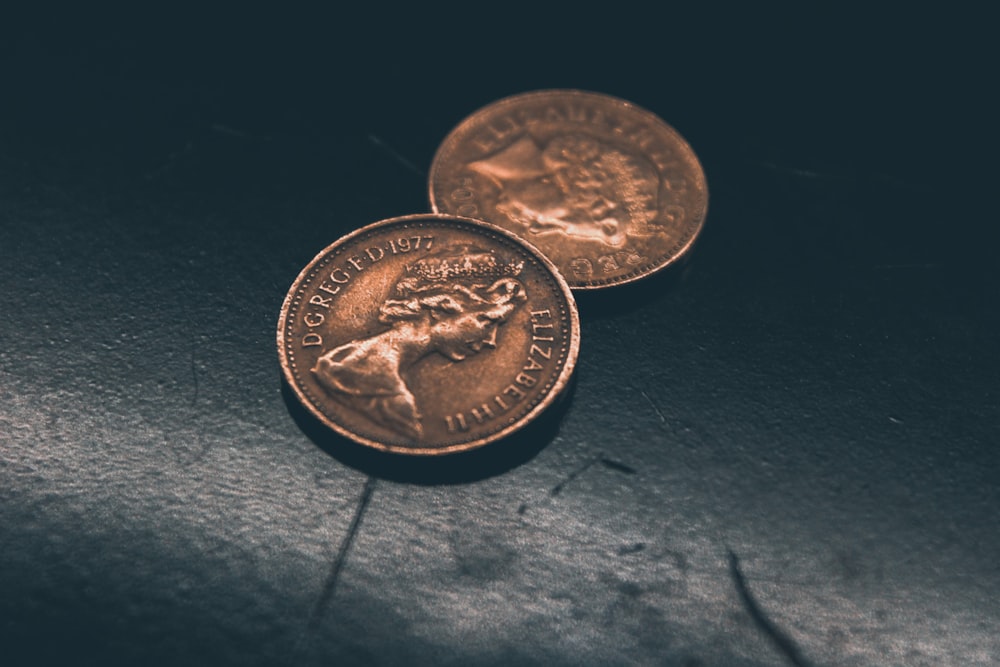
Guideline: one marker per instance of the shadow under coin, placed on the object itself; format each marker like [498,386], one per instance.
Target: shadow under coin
[457,468]
[618,300]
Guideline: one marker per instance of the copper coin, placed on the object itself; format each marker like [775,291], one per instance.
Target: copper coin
[608,191]
[428,334]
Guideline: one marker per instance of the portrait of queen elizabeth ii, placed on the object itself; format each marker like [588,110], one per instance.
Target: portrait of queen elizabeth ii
[450,303]
[574,185]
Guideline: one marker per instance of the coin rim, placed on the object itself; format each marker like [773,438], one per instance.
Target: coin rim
[558,386]
[572,92]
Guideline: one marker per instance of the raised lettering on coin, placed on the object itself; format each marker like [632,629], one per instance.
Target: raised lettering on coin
[428,334]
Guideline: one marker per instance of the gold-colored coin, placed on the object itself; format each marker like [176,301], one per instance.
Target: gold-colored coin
[606,190]
[428,334]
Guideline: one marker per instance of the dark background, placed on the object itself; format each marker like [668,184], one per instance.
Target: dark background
[783,452]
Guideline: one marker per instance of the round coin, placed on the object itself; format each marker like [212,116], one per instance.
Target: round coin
[608,191]
[428,334]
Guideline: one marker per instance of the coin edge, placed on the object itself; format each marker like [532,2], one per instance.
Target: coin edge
[627,278]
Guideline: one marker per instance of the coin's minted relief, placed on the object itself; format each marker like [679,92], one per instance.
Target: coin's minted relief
[608,191]
[428,334]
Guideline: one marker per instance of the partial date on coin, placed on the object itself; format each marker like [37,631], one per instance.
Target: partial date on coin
[428,334]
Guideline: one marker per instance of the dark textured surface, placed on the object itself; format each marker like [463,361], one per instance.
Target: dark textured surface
[783,452]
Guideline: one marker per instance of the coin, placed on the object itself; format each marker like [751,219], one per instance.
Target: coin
[608,191]
[428,334]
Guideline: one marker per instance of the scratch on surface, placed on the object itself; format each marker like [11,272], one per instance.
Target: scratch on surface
[330,584]
[780,639]
[396,156]
[600,458]
[557,489]
[615,465]
[653,405]
[804,173]
[894,420]
[631,549]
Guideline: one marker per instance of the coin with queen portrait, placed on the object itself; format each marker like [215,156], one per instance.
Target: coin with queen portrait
[472,335]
